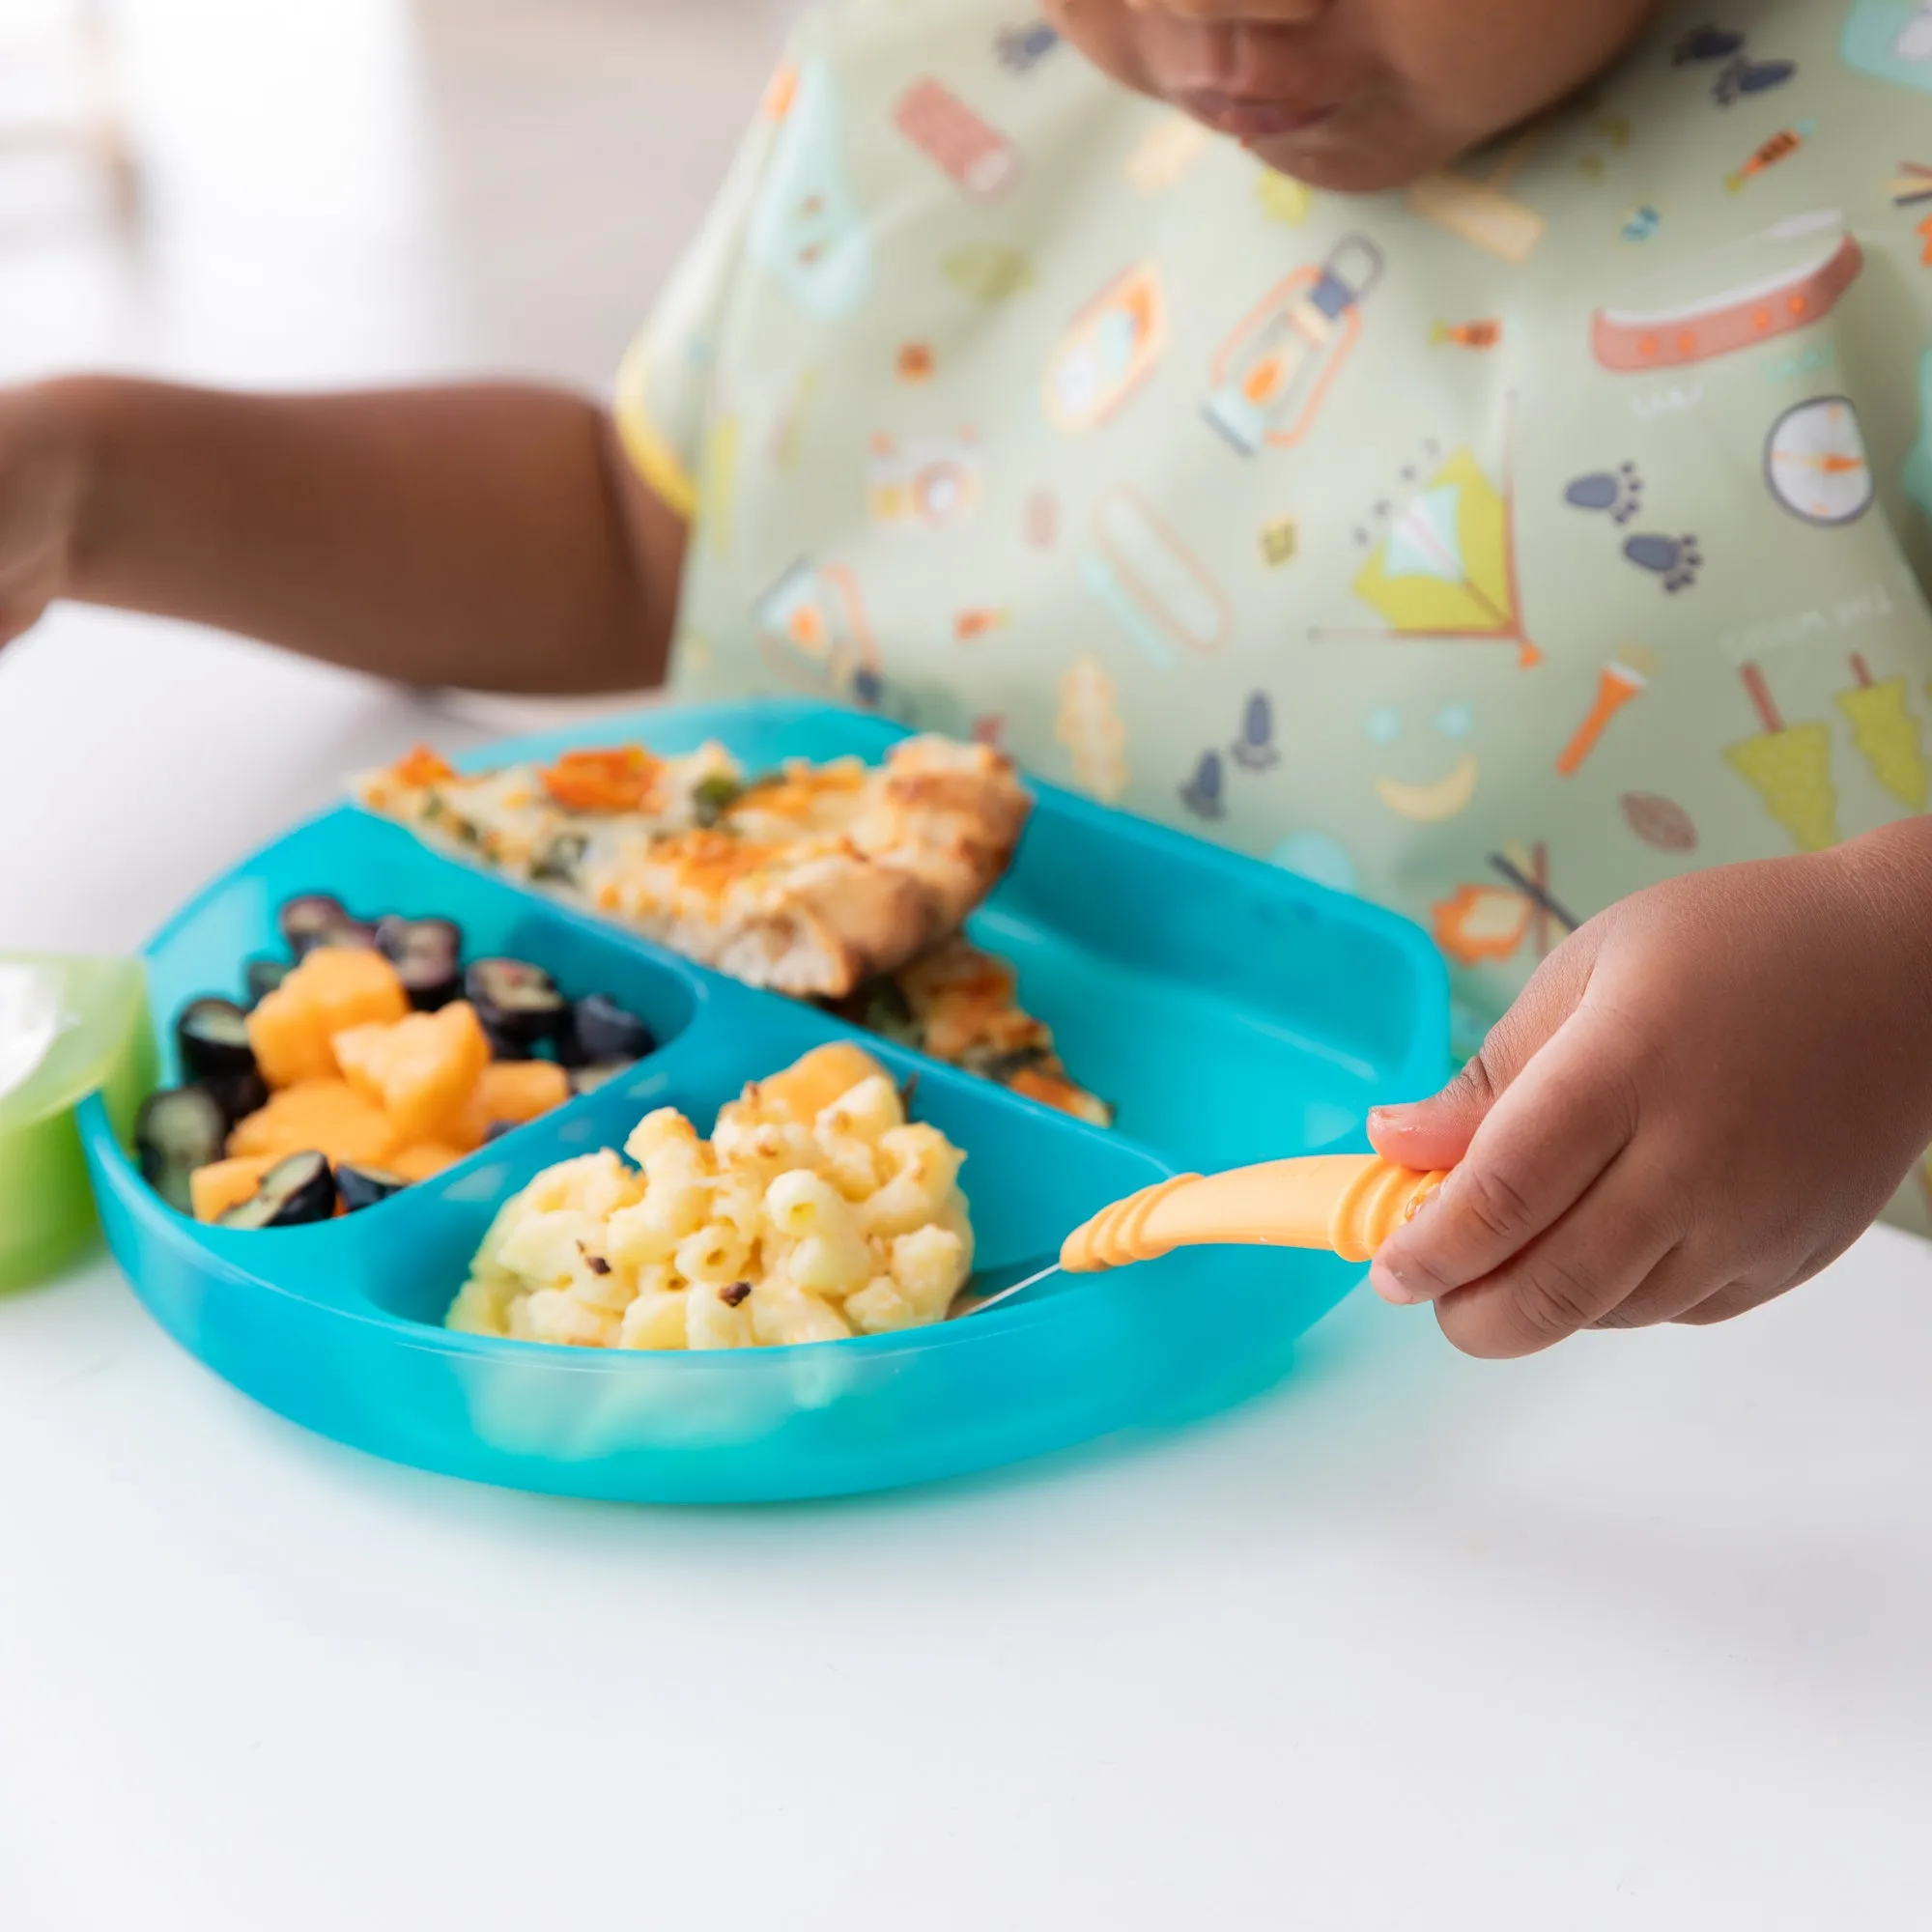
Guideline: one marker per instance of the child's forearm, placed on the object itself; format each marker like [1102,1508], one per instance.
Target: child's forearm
[489,536]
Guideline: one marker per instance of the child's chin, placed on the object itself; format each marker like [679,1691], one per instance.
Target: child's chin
[1344,167]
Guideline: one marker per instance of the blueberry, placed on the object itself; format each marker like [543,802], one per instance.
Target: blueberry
[596,1028]
[315,918]
[427,955]
[363,1186]
[294,1192]
[263,975]
[237,1094]
[518,1003]
[177,1132]
[212,1035]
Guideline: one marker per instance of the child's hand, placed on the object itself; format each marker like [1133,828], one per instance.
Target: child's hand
[1699,1101]
[41,476]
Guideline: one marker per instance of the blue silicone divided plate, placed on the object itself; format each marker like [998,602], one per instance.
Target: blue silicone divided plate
[1234,1012]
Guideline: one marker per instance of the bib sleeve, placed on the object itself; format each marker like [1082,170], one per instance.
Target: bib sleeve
[663,398]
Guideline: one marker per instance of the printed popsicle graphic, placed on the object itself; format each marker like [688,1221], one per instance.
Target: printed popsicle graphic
[1789,766]
[948,134]
[1479,211]
[1887,735]
[1165,152]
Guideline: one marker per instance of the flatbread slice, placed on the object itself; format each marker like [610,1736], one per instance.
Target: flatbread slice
[809,880]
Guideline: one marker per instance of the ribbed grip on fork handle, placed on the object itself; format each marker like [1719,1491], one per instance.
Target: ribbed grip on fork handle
[1347,1202]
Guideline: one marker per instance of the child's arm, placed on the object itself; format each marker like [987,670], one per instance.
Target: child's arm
[1701,1098]
[489,536]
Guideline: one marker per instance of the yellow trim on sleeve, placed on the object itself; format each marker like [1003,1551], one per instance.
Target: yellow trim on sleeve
[646,444]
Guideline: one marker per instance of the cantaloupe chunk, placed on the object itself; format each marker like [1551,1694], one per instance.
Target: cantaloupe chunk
[425,1158]
[827,1073]
[509,1089]
[336,987]
[224,1184]
[419,1070]
[325,1116]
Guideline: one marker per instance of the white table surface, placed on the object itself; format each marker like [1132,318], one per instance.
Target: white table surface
[1632,1635]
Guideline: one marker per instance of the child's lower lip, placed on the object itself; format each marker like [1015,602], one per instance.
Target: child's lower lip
[1248,120]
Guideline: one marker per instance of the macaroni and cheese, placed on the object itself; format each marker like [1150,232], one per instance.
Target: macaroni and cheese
[816,1210]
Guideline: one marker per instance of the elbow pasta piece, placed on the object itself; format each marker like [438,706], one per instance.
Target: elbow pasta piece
[552,1249]
[850,1164]
[482,1307]
[795,1223]
[878,1308]
[928,1269]
[663,1142]
[871,1110]
[833,1264]
[551,1315]
[710,1321]
[655,1320]
[800,1202]
[738,1201]
[716,1255]
[765,1148]
[595,1182]
[782,1316]
[651,1229]
[924,1163]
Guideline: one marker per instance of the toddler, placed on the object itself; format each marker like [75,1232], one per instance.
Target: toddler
[1475,453]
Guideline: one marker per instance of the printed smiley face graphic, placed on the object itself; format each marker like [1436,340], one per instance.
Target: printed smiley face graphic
[1448,791]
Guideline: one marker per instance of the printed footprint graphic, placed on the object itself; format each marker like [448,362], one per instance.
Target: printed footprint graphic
[1744,78]
[1677,561]
[1617,493]
[1023,48]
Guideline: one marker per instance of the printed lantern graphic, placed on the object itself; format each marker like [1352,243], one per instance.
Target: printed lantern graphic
[1273,373]
[812,627]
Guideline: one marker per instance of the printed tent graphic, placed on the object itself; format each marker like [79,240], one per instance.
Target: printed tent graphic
[1446,568]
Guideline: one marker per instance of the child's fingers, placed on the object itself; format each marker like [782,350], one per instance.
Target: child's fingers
[1437,1132]
[1559,1125]
[1596,1259]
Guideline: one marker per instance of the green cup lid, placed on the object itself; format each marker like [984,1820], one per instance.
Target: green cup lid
[68,1029]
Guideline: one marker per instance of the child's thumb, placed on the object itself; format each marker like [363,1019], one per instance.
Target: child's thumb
[1437,1132]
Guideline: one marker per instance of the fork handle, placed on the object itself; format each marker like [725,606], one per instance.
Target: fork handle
[1349,1203]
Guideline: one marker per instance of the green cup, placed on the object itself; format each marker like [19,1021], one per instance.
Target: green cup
[68,1028]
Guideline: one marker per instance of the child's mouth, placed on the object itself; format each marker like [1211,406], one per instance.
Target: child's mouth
[1248,118]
